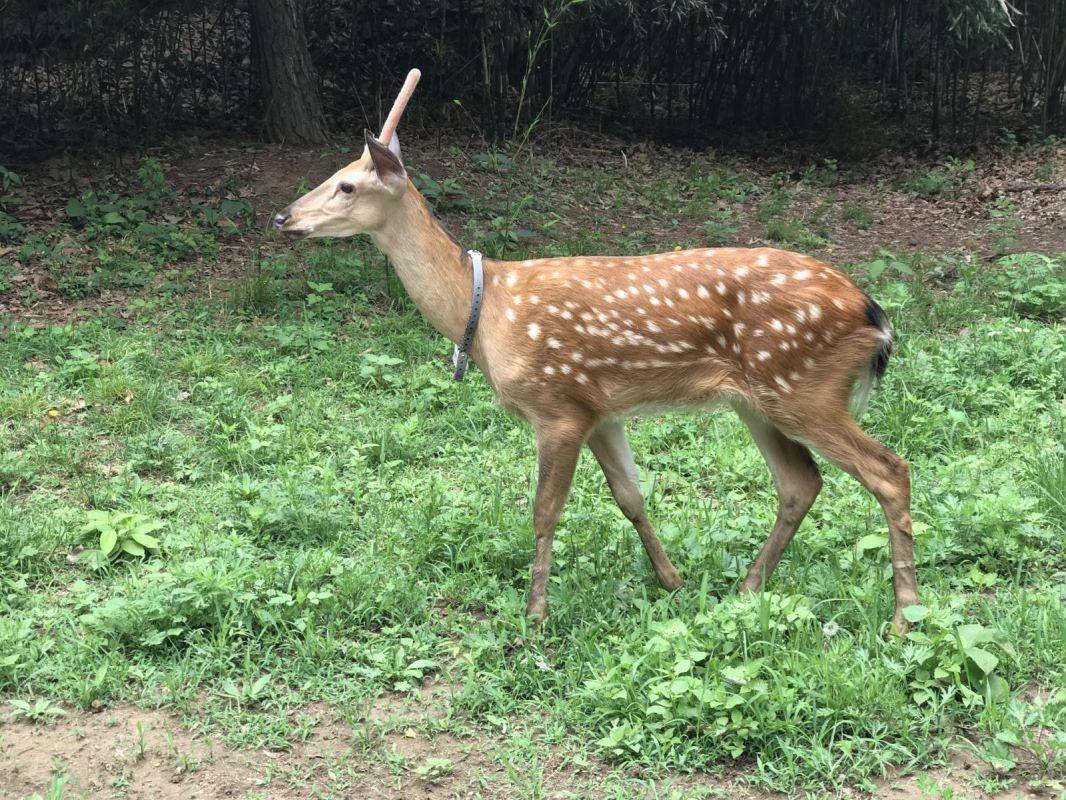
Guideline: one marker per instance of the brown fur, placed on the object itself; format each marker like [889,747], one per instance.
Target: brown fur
[574,344]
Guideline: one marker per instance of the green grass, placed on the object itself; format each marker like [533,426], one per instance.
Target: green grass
[857,214]
[337,519]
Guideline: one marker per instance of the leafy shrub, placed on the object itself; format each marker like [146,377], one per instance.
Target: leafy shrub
[705,678]
[949,658]
[1049,477]
[10,228]
[1033,283]
[941,183]
[722,184]
[719,229]
[858,214]
[445,195]
[120,532]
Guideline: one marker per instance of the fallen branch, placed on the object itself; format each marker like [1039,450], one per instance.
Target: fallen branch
[1035,187]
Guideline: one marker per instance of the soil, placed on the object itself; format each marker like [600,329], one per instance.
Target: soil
[270,176]
[125,751]
[141,754]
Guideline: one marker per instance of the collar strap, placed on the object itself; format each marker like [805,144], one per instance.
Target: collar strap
[461,356]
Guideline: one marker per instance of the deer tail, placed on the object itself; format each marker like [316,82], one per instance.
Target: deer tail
[876,317]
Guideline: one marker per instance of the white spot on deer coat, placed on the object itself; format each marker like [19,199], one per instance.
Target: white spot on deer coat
[702,293]
[509,313]
[534,330]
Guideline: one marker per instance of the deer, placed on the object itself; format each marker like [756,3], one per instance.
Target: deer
[575,345]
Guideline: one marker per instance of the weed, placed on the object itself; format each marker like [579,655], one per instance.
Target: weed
[1032,283]
[857,214]
[1005,226]
[446,195]
[1047,170]
[719,230]
[344,521]
[56,788]
[11,229]
[119,532]
[434,768]
[945,182]
[40,710]
[1049,478]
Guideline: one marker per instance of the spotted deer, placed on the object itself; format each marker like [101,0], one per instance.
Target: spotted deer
[574,345]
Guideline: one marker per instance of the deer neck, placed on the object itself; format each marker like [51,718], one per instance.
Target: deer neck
[430,264]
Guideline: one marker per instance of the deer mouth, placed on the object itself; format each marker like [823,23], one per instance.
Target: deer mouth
[283,223]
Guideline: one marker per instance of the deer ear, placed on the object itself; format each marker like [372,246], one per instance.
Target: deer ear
[386,160]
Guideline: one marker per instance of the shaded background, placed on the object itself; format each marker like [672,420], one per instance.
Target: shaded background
[110,71]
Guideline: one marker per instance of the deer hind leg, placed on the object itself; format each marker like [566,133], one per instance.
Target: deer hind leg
[611,448]
[886,476]
[797,481]
[558,447]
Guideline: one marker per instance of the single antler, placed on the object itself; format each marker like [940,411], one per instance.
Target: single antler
[389,128]
[573,345]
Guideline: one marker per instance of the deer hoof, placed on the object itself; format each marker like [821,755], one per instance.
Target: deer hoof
[899,627]
[537,609]
[670,580]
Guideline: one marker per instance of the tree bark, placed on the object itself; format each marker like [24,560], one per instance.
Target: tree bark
[289,105]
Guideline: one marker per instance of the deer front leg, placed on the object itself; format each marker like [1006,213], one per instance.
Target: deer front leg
[558,446]
[611,448]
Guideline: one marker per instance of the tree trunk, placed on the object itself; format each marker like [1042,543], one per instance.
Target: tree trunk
[289,105]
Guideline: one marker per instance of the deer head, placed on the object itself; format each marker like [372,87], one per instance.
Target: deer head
[359,197]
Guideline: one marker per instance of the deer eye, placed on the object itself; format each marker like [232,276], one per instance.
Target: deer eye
[346,187]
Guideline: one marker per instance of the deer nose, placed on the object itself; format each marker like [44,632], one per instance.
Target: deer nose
[281,218]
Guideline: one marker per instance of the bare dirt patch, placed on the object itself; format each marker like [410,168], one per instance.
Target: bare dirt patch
[136,753]
[394,749]
[270,176]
